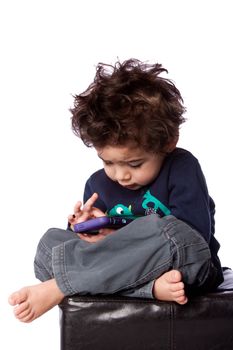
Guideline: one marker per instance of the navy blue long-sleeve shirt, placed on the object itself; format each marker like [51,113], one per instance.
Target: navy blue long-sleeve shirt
[180,189]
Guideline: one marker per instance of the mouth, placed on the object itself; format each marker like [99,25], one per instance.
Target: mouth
[131,187]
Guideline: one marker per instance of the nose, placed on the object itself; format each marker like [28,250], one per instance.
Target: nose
[122,175]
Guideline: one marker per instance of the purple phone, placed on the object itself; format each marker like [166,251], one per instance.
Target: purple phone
[93,225]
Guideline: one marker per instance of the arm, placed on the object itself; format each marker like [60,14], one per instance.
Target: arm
[189,199]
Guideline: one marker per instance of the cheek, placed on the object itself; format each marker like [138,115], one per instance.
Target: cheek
[147,176]
[109,172]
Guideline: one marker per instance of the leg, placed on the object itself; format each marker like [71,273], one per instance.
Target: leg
[136,254]
[189,256]
[132,256]
[43,266]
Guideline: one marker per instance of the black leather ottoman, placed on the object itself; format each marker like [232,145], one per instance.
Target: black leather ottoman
[120,323]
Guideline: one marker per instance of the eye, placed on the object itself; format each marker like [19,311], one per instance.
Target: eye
[135,165]
[119,210]
[107,162]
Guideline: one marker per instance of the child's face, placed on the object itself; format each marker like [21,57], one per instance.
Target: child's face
[130,166]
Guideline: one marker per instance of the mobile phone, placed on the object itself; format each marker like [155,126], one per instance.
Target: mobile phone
[93,225]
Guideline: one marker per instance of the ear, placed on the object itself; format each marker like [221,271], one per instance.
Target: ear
[172,145]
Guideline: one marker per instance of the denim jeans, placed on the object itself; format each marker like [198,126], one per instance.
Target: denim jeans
[126,261]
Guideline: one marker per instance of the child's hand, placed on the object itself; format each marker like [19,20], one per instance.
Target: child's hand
[88,211]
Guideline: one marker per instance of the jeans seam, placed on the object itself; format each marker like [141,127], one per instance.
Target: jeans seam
[62,269]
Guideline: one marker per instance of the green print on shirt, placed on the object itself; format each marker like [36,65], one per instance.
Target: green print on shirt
[120,210]
[157,207]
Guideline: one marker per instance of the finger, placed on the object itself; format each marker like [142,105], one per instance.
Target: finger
[91,238]
[71,218]
[77,207]
[90,202]
[96,212]
[106,231]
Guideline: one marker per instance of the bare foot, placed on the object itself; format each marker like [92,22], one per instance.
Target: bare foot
[33,301]
[169,287]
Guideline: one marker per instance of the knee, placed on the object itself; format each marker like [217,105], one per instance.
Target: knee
[54,237]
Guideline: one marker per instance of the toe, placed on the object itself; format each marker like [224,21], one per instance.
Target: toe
[17,297]
[14,299]
[175,276]
[176,287]
[181,300]
[21,308]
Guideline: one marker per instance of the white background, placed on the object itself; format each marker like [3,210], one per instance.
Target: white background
[49,50]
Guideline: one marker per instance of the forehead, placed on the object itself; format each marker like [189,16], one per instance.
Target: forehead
[121,153]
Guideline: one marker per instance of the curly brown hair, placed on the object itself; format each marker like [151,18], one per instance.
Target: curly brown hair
[128,102]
